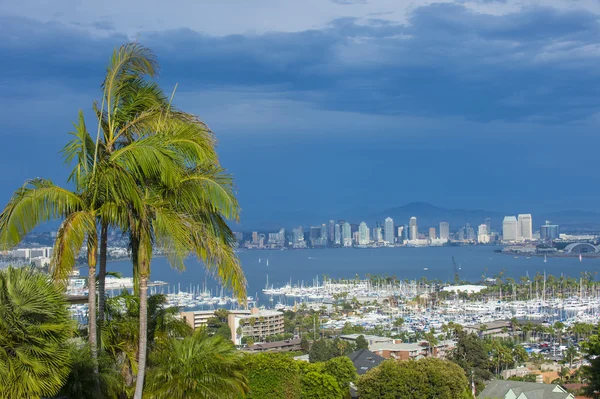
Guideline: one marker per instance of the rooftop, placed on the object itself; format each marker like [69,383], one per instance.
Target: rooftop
[523,390]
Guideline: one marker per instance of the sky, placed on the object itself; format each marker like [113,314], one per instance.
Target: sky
[329,106]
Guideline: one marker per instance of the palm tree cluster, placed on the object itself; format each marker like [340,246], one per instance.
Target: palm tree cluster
[150,171]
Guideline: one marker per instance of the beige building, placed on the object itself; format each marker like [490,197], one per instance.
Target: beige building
[258,324]
[199,318]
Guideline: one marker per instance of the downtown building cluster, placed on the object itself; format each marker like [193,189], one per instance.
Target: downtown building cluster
[342,233]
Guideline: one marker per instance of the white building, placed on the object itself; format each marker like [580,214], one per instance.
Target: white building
[483,235]
[347,234]
[389,230]
[524,227]
[444,230]
[413,232]
[509,228]
[337,234]
[363,234]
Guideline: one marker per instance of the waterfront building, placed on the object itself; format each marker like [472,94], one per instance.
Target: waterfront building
[356,237]
[460,234]
[346,234]
[255,237]
[488,223]
[414,229]
[363,234]
[509,229]
[258,325]
[432,234]
[400,233]
[470,233]
[315,233]
[377,235]
[483,236]
[549,231]
[239,236]
[524,227]
[444,230]
[389,230]
[337,234]
[405,232]
[331,231]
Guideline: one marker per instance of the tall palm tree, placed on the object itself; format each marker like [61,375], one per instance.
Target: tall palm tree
[35,327]
[199,366]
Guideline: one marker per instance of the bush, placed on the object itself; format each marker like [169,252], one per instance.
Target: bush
[272,376]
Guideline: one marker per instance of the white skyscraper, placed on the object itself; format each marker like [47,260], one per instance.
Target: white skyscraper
[524,227]
[444,230]
[363,234]
[509,228]
[413,233]
[483,236]
[389,230]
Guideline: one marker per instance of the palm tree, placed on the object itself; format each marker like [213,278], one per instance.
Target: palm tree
[35,327]
[196,367]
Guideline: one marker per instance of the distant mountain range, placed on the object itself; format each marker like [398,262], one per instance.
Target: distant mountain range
[429,215]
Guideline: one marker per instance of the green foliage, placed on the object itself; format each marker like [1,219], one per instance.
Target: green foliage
[361,343]
[470,354]
[525,378]
[423,379]
[199,366]
[81,382]
[304,344]
[591,348]
[349,328]
[320,351]
[272,376]
[35,327]
[320,386]
[342,369]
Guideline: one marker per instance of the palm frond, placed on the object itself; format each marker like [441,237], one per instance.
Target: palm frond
[69,241]
[36,202]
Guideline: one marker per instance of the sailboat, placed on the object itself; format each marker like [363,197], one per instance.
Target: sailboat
[267,262]
[545,259]
[580,258]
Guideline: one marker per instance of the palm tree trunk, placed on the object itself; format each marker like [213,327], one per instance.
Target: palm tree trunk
[92,337]
[102,280]
[139,384]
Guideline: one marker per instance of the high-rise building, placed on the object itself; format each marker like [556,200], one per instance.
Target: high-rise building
[401,233]
[377,235]
[346,235]
[389,230]
[297,235]
[471,233]
[460,234]
[324,231]
[331,231]
[405,233]
[509,228]
[315,232]
[337,234]
[432,235]
[414,230]
[363,234]
[549,231]
[444,230]
[483,235]
[525,227]
[255,237]
[488,223]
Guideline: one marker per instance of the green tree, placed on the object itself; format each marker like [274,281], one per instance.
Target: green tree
[35,327]
[272,376]
[342,369]
[361,342]
[470,354]
[591,350]
[320,386]
[320,351]
[570,354]
[198,366]
[305,344]
[423,379]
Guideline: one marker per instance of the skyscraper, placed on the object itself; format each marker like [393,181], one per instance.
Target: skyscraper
[331,231]
[346,235]
[389,230]
[400,233]
[444,230]
[432,235]
[483,234]
[471,233]
[337,234]
[549,231]
[509,228]
[324,234]
[363,234]
[377,236]
[524,227]
[414,230]
[255,237]
[488,223]
[405,232]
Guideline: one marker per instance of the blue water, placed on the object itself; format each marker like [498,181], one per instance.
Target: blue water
[404,263]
